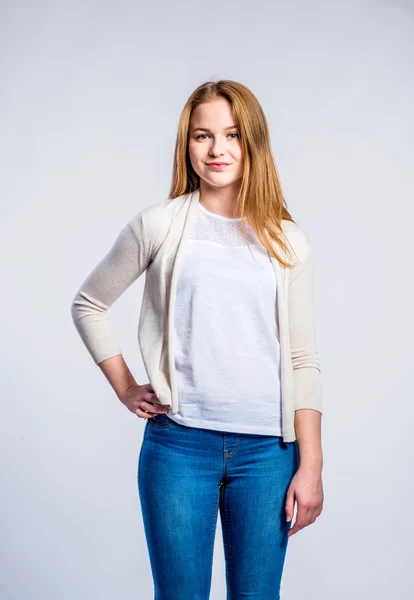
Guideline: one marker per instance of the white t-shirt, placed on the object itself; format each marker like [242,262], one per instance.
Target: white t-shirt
[227,351]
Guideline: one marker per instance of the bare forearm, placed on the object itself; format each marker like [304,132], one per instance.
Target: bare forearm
[308,435]
[117,373]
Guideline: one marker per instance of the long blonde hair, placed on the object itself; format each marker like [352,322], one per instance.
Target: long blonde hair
[260,198]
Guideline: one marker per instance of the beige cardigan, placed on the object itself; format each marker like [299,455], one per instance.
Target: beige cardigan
[153,242]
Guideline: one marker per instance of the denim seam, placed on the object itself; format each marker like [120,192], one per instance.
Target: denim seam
[214,535]
[228,546]
[227,454]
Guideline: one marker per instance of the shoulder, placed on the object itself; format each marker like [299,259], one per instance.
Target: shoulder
[153,222]
[165,210]
[298,238]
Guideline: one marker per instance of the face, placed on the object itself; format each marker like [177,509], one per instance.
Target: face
[214,138]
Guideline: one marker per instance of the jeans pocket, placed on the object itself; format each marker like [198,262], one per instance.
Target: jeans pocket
[162,421]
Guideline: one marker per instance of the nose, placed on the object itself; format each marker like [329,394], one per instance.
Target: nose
[217,147]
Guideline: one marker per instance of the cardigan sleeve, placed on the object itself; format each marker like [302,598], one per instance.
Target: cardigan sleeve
[119,268]
[305,358]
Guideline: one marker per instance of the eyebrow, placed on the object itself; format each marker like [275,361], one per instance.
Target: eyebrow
[205,129]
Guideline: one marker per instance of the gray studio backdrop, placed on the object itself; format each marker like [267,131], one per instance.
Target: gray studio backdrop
[91,93]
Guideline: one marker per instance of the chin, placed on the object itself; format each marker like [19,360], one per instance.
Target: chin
[219,180]
[218,184]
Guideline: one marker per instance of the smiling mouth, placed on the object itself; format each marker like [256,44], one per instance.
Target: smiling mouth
[216,167]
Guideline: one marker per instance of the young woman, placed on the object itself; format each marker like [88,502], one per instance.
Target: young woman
[226,332]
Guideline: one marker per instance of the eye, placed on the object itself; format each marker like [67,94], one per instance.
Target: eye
[203,135]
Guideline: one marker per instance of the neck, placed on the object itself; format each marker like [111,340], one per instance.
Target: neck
[220,200]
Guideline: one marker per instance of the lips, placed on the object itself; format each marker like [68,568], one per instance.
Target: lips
[218,164]
[217,167]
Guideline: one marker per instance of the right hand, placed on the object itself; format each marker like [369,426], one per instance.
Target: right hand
[142,401]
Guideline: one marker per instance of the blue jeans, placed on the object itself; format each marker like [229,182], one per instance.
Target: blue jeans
[186,475]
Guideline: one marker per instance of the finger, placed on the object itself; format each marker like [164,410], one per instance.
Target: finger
[153,408]
[294,529]
[144,414]
[153,399]
[300,522]
[302,514]
[314,515]
[290,504]
[309,518]
[148,414]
